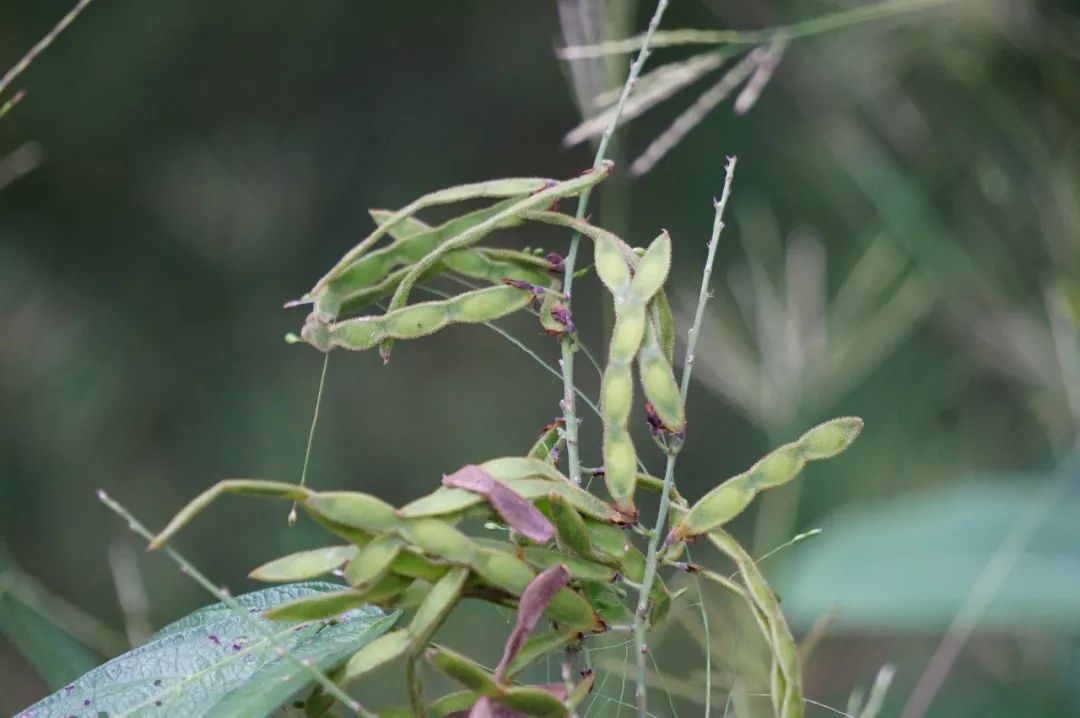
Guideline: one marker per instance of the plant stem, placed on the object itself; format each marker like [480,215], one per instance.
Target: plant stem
[415,687]
[41,44]
[567,361]
[222,595]
[311,433]
[642,612]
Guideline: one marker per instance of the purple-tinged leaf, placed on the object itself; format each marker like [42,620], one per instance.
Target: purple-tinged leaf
[534,600]
[518,513]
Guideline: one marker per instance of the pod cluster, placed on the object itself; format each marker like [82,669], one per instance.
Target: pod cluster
[417,559]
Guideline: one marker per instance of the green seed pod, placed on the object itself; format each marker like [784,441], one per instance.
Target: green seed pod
[778,467]
[316,607]
[616,394]
[658,381]
[549,439]
[626,335]
[502,570]
[409,563]
[775,469]
[717,507]
[533,702]
[606,601]
[537,647]
[652,270]
[511,468]
[387,590]
[373,561]
[475,234]
[441,502]
[579,568]
[437,538]
[611,267]
[450,703]
[354,509]
[585,503]
[464,670]
[659,603]
[382,650]
[413,322]
[571,532]
[827,440]
[660,312]
[620,468]
[246,487]
[304,565]
[438,603]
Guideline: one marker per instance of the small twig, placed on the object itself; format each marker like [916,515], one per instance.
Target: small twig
[186,567]
[130,591]
[567,361]
[311,433]
[43,43]
[642,612]
[415,687]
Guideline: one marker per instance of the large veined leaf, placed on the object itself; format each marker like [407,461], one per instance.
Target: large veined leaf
[911,563]
[217,663]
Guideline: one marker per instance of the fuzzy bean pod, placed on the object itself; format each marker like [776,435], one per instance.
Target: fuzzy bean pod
[304,565]
[777,468]
[372,562]
[537,199]
[658,380]
[417,320]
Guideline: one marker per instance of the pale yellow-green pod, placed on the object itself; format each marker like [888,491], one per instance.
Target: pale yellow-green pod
[571,533]
[827,440]
[372,561]
[438,603]
[354,509]
[717,507]
[778,468]
[620,469]
[658,381]
[611,267]
[304,565]
[416,321]
[652,270]
[437,538]
[487,304]
[382,650]
[616,394]
[627,334]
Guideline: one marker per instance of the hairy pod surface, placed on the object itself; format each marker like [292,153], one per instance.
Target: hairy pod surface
[777,468]
[372,562]
[382,650]
[438,603]
[354,509]
[304,565]
[316,607]
[571,533]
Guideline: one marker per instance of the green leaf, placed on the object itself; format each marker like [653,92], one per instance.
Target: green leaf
[910,564]
[57,656]
[216,663]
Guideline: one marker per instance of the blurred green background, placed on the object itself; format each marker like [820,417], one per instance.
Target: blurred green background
[903,244]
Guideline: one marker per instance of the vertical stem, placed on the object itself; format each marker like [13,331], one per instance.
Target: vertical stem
[567,361]
[642,612]
[311,433]
[415,687]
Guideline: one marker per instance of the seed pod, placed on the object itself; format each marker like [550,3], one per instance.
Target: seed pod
[388,590]
[547,445]
[382,650]
[464,670]
[491,189]
[658,381]
[409,563]
[539,646]
[533,702]
[471,236]
[417,320]
[354,509]
[246,487]
[534,600]
[606,601]
[444,706]
[437,538]
[581,569]
[316,607]
[417,240]
[827,440]
[776,469]
[570,530]
[777,634]
[511,468]
[304,565]
[440,600]
[373,561]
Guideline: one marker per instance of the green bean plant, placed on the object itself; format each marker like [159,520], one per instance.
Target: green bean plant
[417,559]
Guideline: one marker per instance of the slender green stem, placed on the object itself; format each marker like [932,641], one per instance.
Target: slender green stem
[415,687]
[642,612]
[311,433]
[567,361]
[189,569]
[707,639]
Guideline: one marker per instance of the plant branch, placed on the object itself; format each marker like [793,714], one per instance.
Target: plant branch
[567,348]
[222,595]
[642,612]
[40,46]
